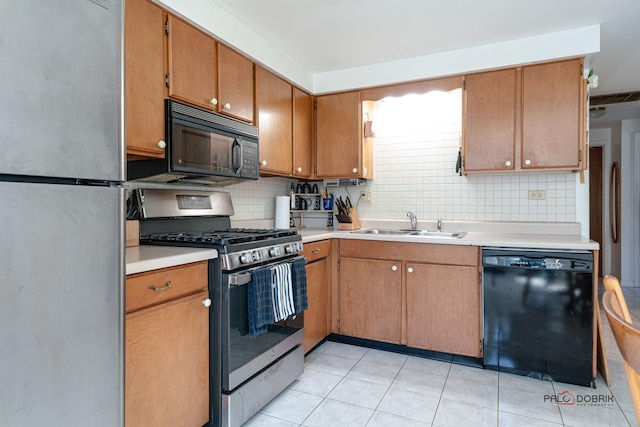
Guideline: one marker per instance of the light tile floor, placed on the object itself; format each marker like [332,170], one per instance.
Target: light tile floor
[346,385]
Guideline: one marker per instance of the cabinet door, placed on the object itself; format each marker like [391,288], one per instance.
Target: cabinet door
[144,78]
[338,136]
[443,308]
[167,364]
[315,318]
[371,299]
[302,131]
[192,65]
[274,123]
[551,115]
[235,84]
[490,121]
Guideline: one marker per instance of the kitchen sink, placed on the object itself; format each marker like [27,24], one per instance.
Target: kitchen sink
[376,231]
[426,233]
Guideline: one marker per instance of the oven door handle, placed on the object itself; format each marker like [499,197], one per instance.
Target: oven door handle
[239,279]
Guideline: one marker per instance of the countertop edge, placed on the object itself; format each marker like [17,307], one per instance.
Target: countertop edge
[140,259]
[506,240]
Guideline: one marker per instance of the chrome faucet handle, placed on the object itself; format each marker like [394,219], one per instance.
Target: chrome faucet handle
[414,220]
[439,225]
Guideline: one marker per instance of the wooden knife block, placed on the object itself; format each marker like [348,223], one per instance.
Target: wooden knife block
[355,221]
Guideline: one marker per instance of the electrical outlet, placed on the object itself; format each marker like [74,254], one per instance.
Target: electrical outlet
[537,194]
[366,197]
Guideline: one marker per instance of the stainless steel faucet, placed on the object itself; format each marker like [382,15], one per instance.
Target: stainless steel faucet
[439,225]
[413,219]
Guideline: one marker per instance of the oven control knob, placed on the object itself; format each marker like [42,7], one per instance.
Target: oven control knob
[289,249]
[274,251]
[257,255]
[246,258]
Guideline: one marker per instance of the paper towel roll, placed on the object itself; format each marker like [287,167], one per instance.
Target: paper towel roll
[282,212]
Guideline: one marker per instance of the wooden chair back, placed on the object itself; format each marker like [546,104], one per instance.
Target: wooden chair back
[626,334]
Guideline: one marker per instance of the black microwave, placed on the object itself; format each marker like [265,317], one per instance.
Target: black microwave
[201,148]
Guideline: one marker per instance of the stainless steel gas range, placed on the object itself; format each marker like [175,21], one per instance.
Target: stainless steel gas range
[254,354]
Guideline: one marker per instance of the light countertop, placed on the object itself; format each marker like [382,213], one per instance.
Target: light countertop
[145,257]
[509,235]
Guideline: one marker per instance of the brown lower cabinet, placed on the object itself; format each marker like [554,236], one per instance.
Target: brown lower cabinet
[167,348]
[443,308]
[424,296]
[316,317]
[371,299]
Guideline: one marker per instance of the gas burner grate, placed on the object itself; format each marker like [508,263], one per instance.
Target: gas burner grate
[227,237]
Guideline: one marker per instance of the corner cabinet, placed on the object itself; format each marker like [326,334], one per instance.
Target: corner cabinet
[425,296]
[144,79]
[529,118]
[341,150]
[167,347]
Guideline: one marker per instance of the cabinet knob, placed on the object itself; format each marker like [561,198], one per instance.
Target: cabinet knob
[394,268]
[354,170]
[161,144]
[409,270]
[298,169]
[527,162]
[315,251]
[227,106]
[263,163]
[214,101]
[508,163]
[207,302]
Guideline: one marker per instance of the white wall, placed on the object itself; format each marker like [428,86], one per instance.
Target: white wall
[630,227]
[215,20]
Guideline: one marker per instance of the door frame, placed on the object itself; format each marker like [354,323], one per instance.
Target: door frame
[605,249]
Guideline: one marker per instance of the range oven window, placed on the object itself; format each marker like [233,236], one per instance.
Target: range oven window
[243,356]
[242,348]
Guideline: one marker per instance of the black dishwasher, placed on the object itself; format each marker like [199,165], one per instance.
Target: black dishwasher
[538,313]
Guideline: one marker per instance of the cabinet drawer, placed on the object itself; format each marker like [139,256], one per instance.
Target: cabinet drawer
[154,287]
[317,250]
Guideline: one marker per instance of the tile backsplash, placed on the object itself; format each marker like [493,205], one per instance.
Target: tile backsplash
[415,153]
[416,149]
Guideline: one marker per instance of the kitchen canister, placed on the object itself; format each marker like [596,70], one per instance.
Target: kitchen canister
[282,212]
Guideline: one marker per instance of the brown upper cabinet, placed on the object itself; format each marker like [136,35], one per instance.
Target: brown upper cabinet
[340,147]
[192,64]
[166,56]
[302,134]
[236,87]
[285,126]
[208,74]
[275,119]
[144,79]
[529,118]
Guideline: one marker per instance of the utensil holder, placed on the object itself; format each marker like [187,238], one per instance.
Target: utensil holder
[355,221]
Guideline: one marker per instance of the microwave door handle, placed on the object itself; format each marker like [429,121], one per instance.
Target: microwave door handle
[237,156]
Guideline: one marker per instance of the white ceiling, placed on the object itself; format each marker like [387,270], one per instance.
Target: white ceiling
[333,35]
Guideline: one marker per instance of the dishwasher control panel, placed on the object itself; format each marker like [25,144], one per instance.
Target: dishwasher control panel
[539,260]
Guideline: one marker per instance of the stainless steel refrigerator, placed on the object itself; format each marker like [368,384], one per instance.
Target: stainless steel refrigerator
[61,213]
